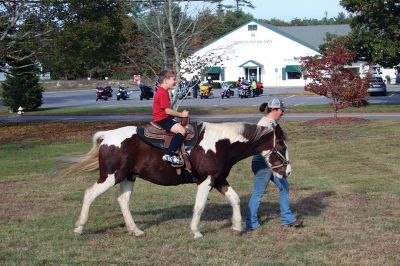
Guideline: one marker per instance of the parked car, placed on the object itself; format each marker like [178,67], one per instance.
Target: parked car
[377,86]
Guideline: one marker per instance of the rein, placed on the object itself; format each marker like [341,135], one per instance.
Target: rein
[272,151]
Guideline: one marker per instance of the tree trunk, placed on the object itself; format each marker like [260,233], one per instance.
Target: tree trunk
[162,41]
[177,62]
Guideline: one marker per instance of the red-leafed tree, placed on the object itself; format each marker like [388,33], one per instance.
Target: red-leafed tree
[331,78]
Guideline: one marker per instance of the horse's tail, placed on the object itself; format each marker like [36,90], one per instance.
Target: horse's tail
[90,161]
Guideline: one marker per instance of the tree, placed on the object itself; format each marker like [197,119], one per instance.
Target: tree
[16,17]
[331,78]
[243,3]
[19,46]
[21,87]
[341,18]
[134,54]
[174,32]
[86,37]
[375,30]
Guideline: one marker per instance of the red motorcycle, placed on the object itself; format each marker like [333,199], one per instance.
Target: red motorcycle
[104,93]
[259,89]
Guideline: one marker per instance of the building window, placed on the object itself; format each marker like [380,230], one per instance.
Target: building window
[293,75]
[293,71]
[213,76]
[211,73]
[252,27]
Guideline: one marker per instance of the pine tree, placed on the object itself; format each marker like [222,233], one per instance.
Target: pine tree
[21,87]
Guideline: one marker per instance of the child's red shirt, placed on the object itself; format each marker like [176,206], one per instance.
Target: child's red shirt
[160,103]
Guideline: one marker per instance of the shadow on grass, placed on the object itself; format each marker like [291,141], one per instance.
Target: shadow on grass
[311,205]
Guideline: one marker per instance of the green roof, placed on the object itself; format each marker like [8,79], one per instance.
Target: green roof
[253,62]
[212,70]
[293,68]
[287,35]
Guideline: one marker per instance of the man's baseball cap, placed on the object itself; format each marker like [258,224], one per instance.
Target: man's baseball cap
[276,103]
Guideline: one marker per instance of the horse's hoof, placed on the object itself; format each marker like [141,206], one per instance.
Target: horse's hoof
[197,235]
[138,233]
[237,232]
[78,230]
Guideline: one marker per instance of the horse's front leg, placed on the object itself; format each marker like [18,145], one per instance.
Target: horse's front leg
[234,200]
[201,199]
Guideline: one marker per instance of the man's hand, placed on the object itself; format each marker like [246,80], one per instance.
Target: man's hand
[185,113]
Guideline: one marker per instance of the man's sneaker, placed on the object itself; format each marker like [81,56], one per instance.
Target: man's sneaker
[296,224]
[173,160]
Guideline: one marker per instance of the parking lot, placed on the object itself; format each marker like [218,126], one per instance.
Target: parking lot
[291,96]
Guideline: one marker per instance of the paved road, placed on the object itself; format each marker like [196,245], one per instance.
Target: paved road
[209,118]
[86,98]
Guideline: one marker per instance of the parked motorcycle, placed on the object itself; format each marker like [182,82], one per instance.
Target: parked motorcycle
[245,90]
[183,91]
[259,90]
[146,92]
[206,90]
[227,90]
[103,93]
[122,93]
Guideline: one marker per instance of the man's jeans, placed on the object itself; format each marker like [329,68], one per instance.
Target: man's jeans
[263,174]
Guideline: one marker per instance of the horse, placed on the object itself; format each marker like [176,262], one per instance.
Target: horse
[121,157]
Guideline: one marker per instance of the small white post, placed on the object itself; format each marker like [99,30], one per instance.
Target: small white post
[20,110]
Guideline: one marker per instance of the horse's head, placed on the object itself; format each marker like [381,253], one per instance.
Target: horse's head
[277,156]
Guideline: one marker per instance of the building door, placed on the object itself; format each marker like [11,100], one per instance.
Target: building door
[252,70]
[253,74]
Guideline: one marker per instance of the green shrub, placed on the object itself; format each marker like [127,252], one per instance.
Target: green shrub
[122,75]
[216,85]
[21,87]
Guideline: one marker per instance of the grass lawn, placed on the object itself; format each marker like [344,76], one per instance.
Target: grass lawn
[345,185]
[323,108]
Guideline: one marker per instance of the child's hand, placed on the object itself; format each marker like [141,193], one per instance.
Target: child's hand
[185,113]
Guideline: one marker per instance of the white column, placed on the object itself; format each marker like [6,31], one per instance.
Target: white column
[257,77]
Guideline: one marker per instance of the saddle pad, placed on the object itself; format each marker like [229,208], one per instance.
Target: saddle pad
[155,133]
[159,142]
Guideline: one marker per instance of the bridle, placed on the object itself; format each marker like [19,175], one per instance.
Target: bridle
[285,162]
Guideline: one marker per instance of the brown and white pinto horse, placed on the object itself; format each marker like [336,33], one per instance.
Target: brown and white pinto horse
[121,156]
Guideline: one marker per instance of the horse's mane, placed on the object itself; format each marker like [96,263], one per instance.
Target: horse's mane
[255,132]
[241,132]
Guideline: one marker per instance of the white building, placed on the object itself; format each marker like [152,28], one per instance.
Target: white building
[264,52]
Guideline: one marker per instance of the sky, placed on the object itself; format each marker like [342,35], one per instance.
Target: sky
[288,9]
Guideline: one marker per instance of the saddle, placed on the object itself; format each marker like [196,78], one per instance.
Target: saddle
[158,137]
[155,132]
